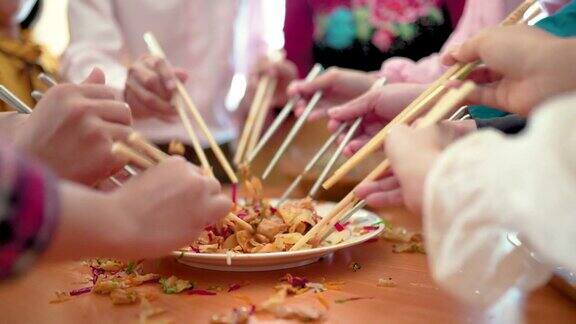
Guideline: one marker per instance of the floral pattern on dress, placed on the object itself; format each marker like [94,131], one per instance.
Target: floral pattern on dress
[380,22]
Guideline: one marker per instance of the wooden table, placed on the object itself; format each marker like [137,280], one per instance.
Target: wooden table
[416,299]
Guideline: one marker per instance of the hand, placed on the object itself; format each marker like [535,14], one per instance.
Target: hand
[338,86]
[377,106]
[283,70]
[524,66]
[72,129]
[161,210]
[169,205]
[412,153]
[150,86]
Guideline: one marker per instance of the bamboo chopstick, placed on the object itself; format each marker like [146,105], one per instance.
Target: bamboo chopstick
[312,163]
[131,155]
[156,50]
[251,120]
[441,109]
[347,138]
[47,80]
[137,140]
[292,134]
[458,71]
[10,99]
[261,117]
[284,113]
[206,167]
[334,158]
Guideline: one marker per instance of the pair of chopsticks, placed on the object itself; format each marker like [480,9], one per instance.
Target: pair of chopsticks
[284,113]
[410,113]
[292,134]
[183,101]
[350,204]
[138,151]
[351,131]
[257,114]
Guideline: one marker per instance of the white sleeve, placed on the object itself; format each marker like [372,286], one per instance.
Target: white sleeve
[487,186]
[95,41]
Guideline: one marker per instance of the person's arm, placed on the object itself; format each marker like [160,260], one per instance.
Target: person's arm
[487,186]
[29,213]
[95,41]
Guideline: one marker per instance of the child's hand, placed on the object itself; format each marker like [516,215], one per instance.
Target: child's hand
[524,66]
[378,106]
[150,86]
[166,207]
[72,129]
[412,153]
[338,86]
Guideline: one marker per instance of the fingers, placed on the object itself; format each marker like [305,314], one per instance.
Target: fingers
[355,108]
[148,99]
[149,76]
[97,76]
[116,132]
[94,91]
[386,184]
[385,199]
[168,76]
[111,110]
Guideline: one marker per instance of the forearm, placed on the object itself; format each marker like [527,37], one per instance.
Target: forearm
[9,124]
[84,226]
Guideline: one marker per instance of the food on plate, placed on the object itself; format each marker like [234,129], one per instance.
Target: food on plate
[256,226]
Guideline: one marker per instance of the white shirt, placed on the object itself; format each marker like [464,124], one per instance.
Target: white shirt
[488,185]
[197,35]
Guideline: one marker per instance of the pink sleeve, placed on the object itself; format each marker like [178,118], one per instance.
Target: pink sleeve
[478,15]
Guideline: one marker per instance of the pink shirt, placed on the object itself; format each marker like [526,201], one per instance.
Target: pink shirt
[197,35]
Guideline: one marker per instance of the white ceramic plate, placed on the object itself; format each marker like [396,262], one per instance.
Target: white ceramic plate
[282,260]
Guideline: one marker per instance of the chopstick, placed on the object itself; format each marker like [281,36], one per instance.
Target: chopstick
[261,116]
[284,113]
[10,99]
[37,95]
[206,167]
[331,227]
[47,80]
[131,155]
[137,140]
[347,138]
[456,72]
[292,134]
[156,50]
[334,158]
[442,108]
[251,120]
[312,163]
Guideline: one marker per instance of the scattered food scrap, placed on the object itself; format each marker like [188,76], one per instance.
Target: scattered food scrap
[346,300]
[386,282]
[174,285]
[355,266]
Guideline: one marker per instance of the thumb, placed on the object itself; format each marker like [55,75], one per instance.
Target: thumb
[95,77]
[396,142]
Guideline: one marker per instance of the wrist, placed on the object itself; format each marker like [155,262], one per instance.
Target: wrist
[89,225]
